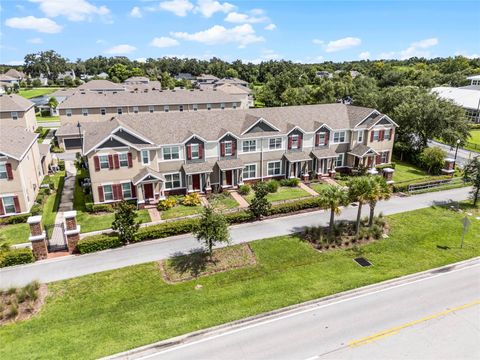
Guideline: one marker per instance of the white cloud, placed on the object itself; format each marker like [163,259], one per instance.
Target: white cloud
[141,60]
[242,18]
[418,49]
[209,7]
[270,27]
[342,44]
[426,43]
[265,55]
[387,55]
[135,12]
[467,55]
[73,10]
[15,62]
[35,41]
[178,7]
[242,35]
[318,42]
[163,42]
[100,41]
[364,55]
[120,49]
[43,25]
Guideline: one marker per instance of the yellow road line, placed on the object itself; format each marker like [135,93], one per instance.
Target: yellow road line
[397,329]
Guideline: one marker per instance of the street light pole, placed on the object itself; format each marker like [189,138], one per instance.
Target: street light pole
[79,126]
[456,151]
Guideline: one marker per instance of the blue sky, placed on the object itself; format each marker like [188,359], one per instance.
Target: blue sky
[304,31]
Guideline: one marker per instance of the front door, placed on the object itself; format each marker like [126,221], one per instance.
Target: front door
[148,191]
[196,182]
[228,175]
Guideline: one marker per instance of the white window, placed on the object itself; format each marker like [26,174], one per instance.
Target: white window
[387,134]
[250,171]
[151,109]
[275,143]
[103,111]
[195,107]
[104,163]
[172,181]
[68,112]
[376,135]
[274,168]
[339,137]
[85,112]
[322,138]
[234,105]
[228,148]
[222,106]
[384,157]
[3,171]
[145,157]
[8,205]
[166,108]
[194,151]
[180,107]
[295,141]
[171,153]
[360,136]
[127,190]
[209,106]
[108,192]
[119,111]
[249,145]
[14,115]
[135,109]
[339,161]
[123,159]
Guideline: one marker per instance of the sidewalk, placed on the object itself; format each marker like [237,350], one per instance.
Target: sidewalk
[72,266]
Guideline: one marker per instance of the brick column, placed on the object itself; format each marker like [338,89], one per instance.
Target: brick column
[37,237]
[388,175]
[72,230]
[448,168]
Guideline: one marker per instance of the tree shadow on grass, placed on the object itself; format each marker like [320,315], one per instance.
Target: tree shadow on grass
[195,262]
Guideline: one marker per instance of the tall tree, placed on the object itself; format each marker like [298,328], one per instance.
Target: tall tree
[48,63]
[472,174]
[358,190]
[334,197]
[212,229]
[378,190]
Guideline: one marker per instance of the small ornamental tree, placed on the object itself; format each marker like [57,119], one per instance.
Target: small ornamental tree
[378,190]
[358,189]
[333,198]
[433,159]
[124,222]
[260,205]
[53,102]
[472,174]
[212,229]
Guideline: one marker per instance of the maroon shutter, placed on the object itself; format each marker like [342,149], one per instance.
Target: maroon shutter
[1,207]
[120,192]
[17,204]
[110,161]
[189,152]
[326,138]
[8,167]
[200,151]
[299,142]
[100,194]
[378,159]
[391,134]
[96,161]
[290,142]
[234,147]
[117,192]
[381,135]
[134,190]
[371,135]
[116,161]
[222,149]
[317,139]
[130,162]
[388,156]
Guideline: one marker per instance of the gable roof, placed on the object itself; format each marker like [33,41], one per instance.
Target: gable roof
[15,74]
[15,141]
[99,85]
[14,102]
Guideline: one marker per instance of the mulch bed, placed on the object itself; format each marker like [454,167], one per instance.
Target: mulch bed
[26,308]
[194,265]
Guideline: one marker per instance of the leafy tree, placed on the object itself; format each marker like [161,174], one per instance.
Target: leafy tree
[36,83]
[334,197]
[212,229]
[136,72]
[232,73]
[68,81]
[119,71]
[48,63]
[53,102]
[124,222]
[358,190]
[16,87]
[260,205]
[472,174]
[378,190]
[433,159]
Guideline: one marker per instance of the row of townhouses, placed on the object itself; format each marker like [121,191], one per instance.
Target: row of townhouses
[150,155]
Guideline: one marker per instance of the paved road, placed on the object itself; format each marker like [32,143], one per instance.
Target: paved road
[434,317]
[73,266]
[463,156]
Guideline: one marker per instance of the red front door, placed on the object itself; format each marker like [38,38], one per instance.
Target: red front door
[196,182]
[228,175]
[148,191]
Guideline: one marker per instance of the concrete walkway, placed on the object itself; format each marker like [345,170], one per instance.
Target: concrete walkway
[48,139]
[239,199]
[155,215]
[72,266]
[308,189]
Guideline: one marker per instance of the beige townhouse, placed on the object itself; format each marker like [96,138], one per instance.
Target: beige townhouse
[15,110]
[149,156]
[22,168]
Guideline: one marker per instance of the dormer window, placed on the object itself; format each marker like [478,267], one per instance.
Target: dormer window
[195,107]
[209,106]
[135,109]
[119,111]
[166,108]
[294,141]
[68,112]
[194,151]
[84,112]
[14,115]
[103,111]
[322,139]
[234,106]
[151,109]
[180,107]
[222,106]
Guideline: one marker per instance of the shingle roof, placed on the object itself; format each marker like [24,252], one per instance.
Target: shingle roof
[233,89]
[360,150]
[14,102]
[297,156]
[137,78]
[101,85]
[4,77]
[197,168]
[15,74]
[15,141]
[147,172]
[230,164]
[324,153]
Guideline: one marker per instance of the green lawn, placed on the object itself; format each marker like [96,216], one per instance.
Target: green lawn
[42,133]
[41,119]
[223,202]
[318,186]
[474,141]
[405,172]
[14,233]
[181,210]
[283,193]
[104,313]
[31,93]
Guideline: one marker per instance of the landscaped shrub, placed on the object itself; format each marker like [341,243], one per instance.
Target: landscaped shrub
[239,217]
[295,206]
[36,209]
[15,257]
[61,164]
[272,186]
[166,204]
[244,189]
[15,219]
[57,149]
[97,243]
[166,229]
[383,166]
[292,182]
[89,207]
[192,199]
[40,198]
[96,208]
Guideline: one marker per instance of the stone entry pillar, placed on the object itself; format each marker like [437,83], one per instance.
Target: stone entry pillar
[72,230]
[37,237]
[449,166]
[388,175]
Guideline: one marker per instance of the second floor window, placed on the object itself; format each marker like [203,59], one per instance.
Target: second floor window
[228,148]
[322,139]
[275,143]
[171,153]
[376,135]
[145,157]
[104,163]
[194,151]
[388,134]
[249,145]
[294,141]
[123,159]
[14,115]
[3,171]
[360,136]
[339,137]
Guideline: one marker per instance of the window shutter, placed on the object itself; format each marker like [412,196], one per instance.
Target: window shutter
[381,135]
[371,135]
[134,190]
[391,134]
[130,162]
[200,151]
[317,139]
[8,167]
[189,152]
[17,204]
[96,161]
[300,141]
[222,149]
[100,194]
[116,161]
[1,207]
[120,192]
[378,159]
[117,192]
[234,147]
[388,156]
[110,161]
[290,142]
[326,137]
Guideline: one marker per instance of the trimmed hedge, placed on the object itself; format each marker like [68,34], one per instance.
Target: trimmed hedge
[166,229]
[15,219]
[293,206]
[13,257]
[97,243]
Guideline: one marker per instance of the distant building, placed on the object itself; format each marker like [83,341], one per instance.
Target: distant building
[468,98]
[15,110]
[474,80]
[185,76]
[323,75]
[15,74]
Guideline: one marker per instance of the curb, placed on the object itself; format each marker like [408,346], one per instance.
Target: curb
[215,330]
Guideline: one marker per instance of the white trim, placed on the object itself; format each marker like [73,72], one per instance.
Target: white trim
[366,117]
[256,122]
[250,152]
[141,156]
[384,117]
[272,162]
[227,133]
[197,137]
[332,140]
[162,158]
[322,126]
[243,172]
[297,128]
[175,188]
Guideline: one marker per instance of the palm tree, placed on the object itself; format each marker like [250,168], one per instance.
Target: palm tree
[358,190]
[379,190]
[334,197]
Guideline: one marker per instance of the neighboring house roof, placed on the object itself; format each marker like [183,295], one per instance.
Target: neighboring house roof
[7,78]
[230,164]
[176,127]
[15,74]
[14,102]
[234,89]
[164,97]
[325,153]
[99,85]
[137,79]
[233,81]
[15,141]
[466,98]
[297,156]
[145,173]
[64,92]
[197,168]
[142,87]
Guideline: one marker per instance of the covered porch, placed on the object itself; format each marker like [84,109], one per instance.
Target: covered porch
[197,177]
[324,161]
[150,187]
[362,156]
[298,165]
[230,173]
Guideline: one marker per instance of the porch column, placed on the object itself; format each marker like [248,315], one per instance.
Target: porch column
[224,178]
[305,174]
[189,183]
[162,190]
[140,197]
[208,187]
[240,176]
[37,237]
[292,170]
[72,230]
